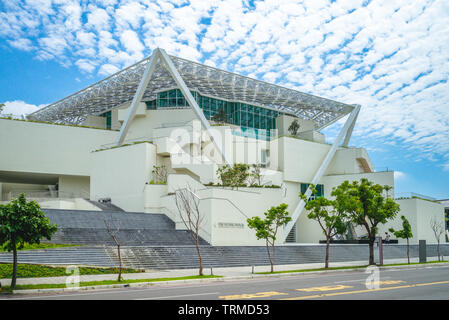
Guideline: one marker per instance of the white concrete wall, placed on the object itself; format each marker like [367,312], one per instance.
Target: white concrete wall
[143,126]
[225,213]
[121,174]
[153,194]
[346,161]
[419,213]
[95,121]
[382,178]
[298,159]
[74,186]
[46,148]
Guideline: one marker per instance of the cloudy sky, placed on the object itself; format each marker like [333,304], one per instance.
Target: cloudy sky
[389,56]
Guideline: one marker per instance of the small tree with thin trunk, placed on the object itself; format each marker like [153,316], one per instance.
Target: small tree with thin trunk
[438,230]
[331,221]
[160,174]
[234,177]
[405,233]
[113,229]
[255,175]
[364,204]
[267,228]
[188,204]
[22,222]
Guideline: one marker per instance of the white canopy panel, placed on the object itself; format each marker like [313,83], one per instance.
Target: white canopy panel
[120,88]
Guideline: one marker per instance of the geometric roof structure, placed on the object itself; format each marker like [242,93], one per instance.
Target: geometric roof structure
[121,87]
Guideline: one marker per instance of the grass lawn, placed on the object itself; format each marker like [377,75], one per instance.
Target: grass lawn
[35,271]
[42,246]
[348,267]
[7,289]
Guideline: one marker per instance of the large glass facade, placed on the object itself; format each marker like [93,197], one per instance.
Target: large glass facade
[254,121]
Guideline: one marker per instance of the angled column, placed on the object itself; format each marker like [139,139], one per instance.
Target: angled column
[323,167]
[351,128]
[192,102]
[138,96]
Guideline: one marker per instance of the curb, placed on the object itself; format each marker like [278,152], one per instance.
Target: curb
[223,279]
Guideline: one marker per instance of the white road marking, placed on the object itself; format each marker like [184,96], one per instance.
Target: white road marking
[179,296]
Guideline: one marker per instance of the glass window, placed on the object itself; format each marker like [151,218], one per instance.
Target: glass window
[162,95]
[319,190]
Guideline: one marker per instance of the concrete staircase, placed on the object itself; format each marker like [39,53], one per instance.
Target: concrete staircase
[150,241]
[134,229]
[180,257]
[86,255]
[183,257]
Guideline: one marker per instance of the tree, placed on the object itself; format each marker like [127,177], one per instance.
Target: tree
[112,229]
[267,228]
[256,174]
[331,221]
[1,107]
[293,128]
[22,222]
[438,230]
[365,205]
[188,204]
[160,174]
[234,177]
[405,233]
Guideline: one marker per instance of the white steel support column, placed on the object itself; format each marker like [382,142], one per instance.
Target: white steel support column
[138,96]
[192,102]
[351,128]
[322,169]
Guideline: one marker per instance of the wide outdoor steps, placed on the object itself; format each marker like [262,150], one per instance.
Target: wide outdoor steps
[150,241]
[212,256]
[88,256]
[181,257]
[130,228]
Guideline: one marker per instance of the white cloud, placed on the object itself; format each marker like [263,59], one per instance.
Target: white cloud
[21,44]
[108,69]
[86,65]
[130,40]
[19,108]
[399,175]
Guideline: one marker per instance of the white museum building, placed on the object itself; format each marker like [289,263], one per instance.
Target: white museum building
[113,140]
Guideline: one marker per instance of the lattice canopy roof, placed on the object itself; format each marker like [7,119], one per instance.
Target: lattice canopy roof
[120,88]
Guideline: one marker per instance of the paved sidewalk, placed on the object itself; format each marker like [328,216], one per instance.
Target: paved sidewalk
[227,273]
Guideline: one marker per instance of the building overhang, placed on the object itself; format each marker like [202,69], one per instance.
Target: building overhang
[121,87]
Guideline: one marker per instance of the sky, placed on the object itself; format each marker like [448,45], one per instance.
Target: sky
[391,57]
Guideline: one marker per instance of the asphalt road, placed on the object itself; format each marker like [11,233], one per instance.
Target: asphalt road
[423,282]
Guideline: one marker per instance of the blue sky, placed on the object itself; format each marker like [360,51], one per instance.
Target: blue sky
[392,57]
